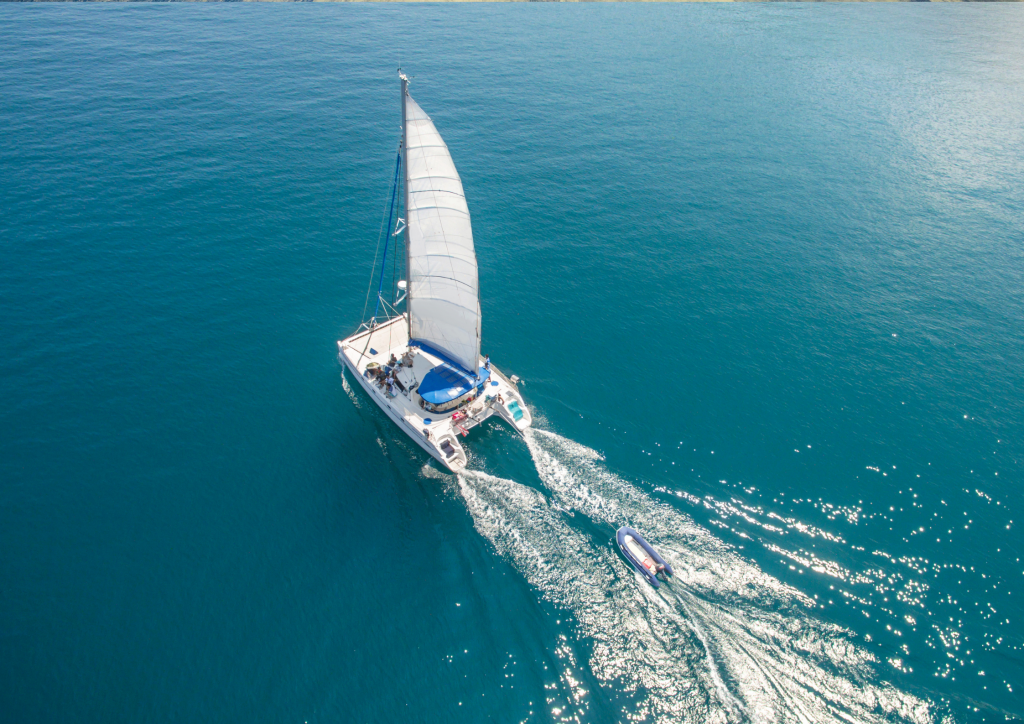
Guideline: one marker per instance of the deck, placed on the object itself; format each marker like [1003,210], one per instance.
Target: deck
[439,433]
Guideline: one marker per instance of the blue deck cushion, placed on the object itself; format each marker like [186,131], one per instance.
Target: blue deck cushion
[447,382]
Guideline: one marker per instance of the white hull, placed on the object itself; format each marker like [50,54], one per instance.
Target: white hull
[439,437]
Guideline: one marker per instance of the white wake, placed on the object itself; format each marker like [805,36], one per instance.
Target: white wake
[722,642]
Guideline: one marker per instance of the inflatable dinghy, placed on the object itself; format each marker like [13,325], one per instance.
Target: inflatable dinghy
[643,557]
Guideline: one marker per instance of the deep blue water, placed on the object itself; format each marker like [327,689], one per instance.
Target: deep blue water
[761,268]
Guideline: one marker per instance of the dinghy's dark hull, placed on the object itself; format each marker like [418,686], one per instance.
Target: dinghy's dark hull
[651,577]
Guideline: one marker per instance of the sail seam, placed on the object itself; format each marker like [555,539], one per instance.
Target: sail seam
[457,281]
[444,208]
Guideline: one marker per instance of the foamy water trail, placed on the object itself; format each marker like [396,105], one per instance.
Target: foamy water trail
[349,391]
[723,641]
[647,649]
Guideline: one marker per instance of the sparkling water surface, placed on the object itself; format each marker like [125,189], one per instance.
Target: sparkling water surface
[761,268]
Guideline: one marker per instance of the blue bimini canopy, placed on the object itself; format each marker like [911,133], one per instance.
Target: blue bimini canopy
[447,383]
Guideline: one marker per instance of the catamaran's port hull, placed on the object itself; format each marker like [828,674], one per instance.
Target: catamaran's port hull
[442,443]
[398,420]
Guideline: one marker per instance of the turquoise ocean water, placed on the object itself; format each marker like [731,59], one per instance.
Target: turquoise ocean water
[761,268]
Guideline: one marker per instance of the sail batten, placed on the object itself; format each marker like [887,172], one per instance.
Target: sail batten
[443,291]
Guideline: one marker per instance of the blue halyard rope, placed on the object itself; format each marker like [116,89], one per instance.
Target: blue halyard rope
[391,208]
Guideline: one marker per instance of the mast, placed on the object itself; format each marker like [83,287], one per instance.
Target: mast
[405,202]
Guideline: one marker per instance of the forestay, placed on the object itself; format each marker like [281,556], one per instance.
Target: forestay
[444,299]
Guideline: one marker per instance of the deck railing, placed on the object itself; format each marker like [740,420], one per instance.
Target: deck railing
[511,384]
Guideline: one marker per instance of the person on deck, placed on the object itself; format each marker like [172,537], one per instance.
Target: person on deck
[487,362]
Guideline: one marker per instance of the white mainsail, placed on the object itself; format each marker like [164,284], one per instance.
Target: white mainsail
[425,393]
[443,298]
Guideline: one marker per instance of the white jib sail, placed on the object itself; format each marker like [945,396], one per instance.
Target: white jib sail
[444,297]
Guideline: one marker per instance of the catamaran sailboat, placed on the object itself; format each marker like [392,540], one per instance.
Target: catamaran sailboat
[422,366]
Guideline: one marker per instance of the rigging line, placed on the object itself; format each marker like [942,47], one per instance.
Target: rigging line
[394,254]
[369,285]
[391,208]
[399,189]
[394,282]
[391,329]
[394,272]
[389,307]
[394,258]
[383,263]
